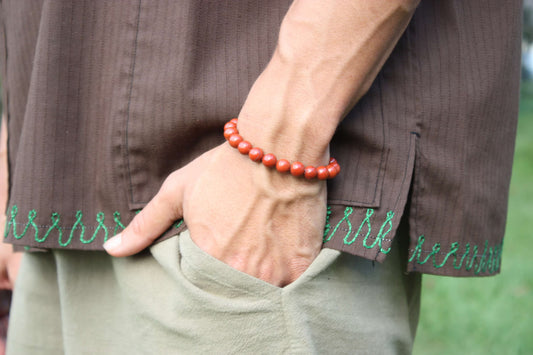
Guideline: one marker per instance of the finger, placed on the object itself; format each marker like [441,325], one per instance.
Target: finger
[155,218]
[6,251]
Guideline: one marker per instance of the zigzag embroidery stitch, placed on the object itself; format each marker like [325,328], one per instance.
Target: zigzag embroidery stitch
[366,225]
[489,261]
[78,226]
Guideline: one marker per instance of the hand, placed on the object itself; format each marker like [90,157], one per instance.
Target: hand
[254,219]
[259,221]
[9,266]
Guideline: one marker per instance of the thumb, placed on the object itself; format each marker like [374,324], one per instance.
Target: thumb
[154,219]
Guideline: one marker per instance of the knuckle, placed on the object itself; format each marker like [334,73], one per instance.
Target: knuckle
[167,193]
[170,183]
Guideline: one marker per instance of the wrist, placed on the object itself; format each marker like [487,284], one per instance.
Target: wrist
[269,160]
[282,117]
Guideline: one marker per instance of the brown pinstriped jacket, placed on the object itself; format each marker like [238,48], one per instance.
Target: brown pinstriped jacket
[105,98]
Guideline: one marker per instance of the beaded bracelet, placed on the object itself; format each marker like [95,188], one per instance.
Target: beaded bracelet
[231,133]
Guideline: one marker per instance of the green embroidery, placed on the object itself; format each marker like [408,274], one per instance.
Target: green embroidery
[467,251]
[100,219]
[453,251]
[381,235]
[482,262]
[349,239]
[327,226]
[347,212]
[55,222]
[485,262]
[76,225]
[470,264]
[489,261]
[118,222]
[13,223]
[495,258]
[366,221]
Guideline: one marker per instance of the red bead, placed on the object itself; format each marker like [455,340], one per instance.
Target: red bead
[332,171]
[269,160]
[283,166]
[244,147]
[230,125]
[228,132]
[337,167]
[322,172]
[256,154]
[231,133]
[297,168]
[234,140]
[310,172]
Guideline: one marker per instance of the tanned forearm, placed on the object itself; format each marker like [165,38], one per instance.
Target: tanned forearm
[328,54]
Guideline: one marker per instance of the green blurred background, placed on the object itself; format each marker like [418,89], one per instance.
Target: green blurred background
[492,315]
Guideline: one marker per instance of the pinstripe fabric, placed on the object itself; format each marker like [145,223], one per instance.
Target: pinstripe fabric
[106,98]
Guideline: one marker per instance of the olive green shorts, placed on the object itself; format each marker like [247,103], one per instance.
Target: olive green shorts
[176,299]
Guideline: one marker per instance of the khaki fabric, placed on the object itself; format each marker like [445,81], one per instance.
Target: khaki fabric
[176,299]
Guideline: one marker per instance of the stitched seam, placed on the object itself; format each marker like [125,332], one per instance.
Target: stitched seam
[436,253]
[327,226]
[339,201]
[369,237]
[134,59]
[384,155]
[411,151]
[417,188]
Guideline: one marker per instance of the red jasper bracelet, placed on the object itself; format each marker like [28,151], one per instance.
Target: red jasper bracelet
[231,133]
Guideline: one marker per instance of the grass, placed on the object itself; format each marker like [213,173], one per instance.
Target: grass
[491,315]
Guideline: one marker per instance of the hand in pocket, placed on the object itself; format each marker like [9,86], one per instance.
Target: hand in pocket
[254,219]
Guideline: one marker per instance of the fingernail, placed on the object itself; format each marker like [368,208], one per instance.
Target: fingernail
[113,243]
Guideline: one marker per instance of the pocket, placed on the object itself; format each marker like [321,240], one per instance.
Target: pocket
[212,275]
